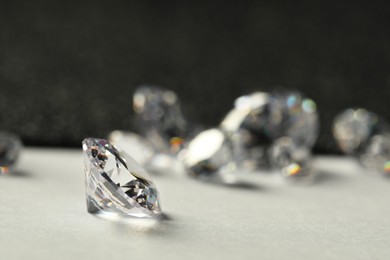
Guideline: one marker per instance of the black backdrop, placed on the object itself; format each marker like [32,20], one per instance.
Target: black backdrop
[68,69]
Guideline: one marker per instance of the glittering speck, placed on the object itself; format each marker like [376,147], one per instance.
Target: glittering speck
[292,169]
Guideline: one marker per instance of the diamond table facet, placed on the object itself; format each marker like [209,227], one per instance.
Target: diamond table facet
[115,183]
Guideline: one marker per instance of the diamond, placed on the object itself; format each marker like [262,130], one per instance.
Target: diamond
[159,117]
[209,155]
[245,125]
[115,183]
[259,118]
[376,155]
[10,147]
[134,145]
[295,116]
[293,161]
[353,128]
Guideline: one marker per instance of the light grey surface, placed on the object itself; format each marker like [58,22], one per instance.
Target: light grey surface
[345,215]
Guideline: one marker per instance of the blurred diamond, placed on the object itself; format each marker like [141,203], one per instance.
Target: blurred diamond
[10,147]
[209,155]
[245,125]
[259,118]
[115,183]
[353,129]
[293,115]
[159,117]
[376,155]
[293,161]
[134,145]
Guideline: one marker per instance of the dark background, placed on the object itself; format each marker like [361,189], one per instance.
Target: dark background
[68,69]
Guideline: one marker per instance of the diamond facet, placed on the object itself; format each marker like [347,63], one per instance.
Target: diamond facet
[134,145]
[10,147]
[160,118]
[209,155]
[292,160]
[115,183]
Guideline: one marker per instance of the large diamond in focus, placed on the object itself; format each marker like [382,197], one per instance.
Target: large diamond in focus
[353,129]
[159,118]
[209,156]
[115,183]
[10,147]
[295,116]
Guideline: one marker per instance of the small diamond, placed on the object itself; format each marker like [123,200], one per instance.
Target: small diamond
[292,160]
[295,116]
[209,155]
[115,183]
[134,145]
[353,128]
[376,155]
[160,118]
[10,147]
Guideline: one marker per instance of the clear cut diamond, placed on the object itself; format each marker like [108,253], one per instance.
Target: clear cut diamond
[293,161]
[159,117]
[209,155]
[115,183]
[354,128]
[10,147]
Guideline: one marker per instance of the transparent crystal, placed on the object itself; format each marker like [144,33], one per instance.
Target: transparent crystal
[259,118]
[134,145]
[115,183]
[376,155]
[293,161]
[353,129]
[10,147]
[293,115]
[209,155]
[245,125]
[160,118]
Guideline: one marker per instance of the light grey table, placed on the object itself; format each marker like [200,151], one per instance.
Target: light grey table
[344,215]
